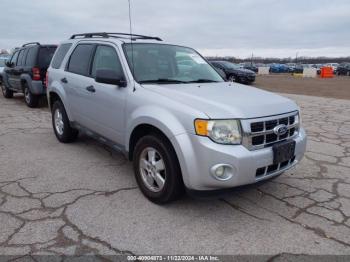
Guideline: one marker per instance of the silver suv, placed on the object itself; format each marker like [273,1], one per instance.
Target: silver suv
[171,113]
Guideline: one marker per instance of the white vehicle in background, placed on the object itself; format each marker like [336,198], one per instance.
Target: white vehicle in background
[2,66]
[333,65]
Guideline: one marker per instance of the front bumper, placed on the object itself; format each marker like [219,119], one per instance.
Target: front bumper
[197,155]
[247,79]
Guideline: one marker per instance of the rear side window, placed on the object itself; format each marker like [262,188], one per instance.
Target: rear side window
[45,56]
[59,55]
[79,62]
[31,56]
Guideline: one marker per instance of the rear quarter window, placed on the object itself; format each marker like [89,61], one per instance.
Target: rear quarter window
[45,56]
[59,55]
[31,56]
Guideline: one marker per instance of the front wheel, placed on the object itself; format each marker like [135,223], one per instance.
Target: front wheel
[157,169]
[61,126]
[30,99]
[232,78]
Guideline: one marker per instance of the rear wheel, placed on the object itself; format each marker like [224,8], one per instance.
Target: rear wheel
[157,169]
[5,91]
[61,126]
[30,99]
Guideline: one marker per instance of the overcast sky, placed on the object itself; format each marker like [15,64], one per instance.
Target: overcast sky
[214,27]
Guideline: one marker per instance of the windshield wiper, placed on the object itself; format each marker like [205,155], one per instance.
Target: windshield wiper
[162,81]
[202,80]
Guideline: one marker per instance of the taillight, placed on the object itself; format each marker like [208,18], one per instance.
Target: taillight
[46,81]
[36,73]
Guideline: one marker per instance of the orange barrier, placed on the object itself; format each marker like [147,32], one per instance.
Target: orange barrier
[327,72]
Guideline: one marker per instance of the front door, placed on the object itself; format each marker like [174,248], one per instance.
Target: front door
[106,103]
[10,70]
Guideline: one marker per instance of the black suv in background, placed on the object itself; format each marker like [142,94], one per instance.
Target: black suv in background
[25,72]
[234,72]
[343,69]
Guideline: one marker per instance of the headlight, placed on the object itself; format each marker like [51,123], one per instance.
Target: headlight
[220,131]
[298,119]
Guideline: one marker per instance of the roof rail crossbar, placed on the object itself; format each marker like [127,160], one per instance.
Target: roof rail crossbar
[31,43]
[116,35]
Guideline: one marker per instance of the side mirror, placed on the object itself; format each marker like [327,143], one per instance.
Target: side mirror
[8,64]
[106,76]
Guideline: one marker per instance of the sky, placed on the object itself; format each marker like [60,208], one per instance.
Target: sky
[265,28]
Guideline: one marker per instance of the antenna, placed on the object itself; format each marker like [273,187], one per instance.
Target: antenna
[132,47]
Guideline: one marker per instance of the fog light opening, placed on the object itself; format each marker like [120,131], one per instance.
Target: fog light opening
[221,172]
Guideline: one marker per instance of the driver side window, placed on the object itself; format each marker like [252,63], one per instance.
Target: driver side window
[14,58]
[106,58]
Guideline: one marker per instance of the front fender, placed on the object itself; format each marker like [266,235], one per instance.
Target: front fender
[156,116]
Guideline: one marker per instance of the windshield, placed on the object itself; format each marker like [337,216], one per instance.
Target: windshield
[45,55]
[2,62]
[160,63]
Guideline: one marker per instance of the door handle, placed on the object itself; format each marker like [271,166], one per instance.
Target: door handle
[64,80]
[91,89]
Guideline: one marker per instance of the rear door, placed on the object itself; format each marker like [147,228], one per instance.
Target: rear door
[75,81]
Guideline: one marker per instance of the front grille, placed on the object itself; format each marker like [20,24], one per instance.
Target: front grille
[268,170]
[259,133]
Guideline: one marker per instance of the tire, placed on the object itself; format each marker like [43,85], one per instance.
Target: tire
[169,170]
[31,100]
[60,123]
[232,78]
[7,93]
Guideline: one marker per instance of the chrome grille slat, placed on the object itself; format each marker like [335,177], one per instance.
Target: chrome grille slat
[264,128]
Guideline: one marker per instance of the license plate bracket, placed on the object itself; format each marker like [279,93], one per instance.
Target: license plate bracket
[283,151]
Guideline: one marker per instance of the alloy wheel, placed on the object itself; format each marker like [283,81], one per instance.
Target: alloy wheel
[27,95]
[152,169]
[58,120]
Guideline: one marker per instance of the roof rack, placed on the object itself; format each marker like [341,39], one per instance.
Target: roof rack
[31,43]
[116,35]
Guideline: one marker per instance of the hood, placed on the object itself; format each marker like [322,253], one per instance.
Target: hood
[241,71]
[226,100]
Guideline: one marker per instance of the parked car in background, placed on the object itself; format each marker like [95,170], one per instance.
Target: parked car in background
[25,72]
[234,72]
[251,67]
[291,67]
[279,68]
[3,60]
[343,69]
[334,66]
[182,128]
[318,67]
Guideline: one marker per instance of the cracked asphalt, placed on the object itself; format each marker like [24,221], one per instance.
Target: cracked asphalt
[82,198]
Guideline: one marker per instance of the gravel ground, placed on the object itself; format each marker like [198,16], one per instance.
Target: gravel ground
[337,87]
[82,198]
